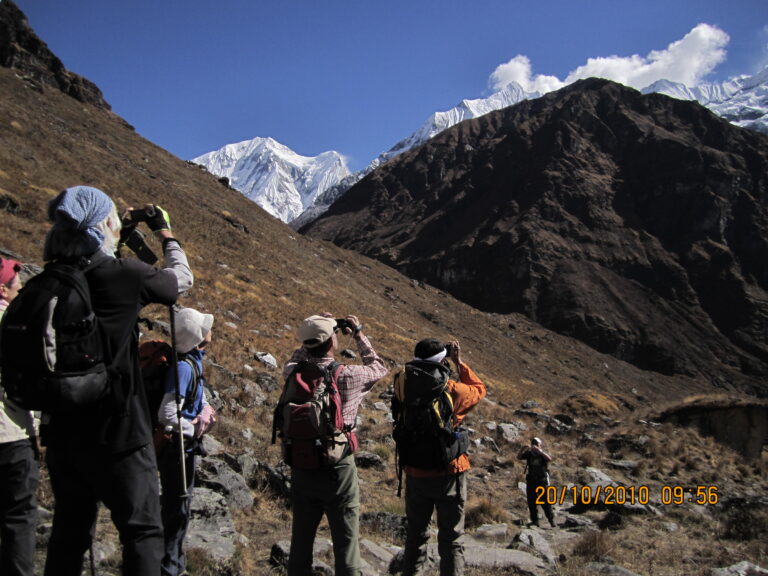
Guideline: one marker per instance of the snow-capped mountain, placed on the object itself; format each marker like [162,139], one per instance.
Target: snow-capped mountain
[511,94]
[742,101]
[296,190]
[274,176]
[288,185]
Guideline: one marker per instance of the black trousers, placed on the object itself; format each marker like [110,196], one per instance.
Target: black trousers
[127,484]
[531,485]
[175,507]
[19,475]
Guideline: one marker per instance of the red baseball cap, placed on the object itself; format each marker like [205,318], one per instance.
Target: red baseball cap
[8,269]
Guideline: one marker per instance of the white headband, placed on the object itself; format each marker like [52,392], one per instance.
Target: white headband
[436,358]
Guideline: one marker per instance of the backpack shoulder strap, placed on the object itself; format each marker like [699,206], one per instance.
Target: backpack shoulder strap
[75,280]
[399,382]
[444,402]
[73,273]
[197,376]
[334,371]
[300,365]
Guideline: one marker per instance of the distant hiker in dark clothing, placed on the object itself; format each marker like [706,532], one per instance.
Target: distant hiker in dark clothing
[443,489]
[18,465]
[193,335]
[331,489]
[104,453]
[537,475]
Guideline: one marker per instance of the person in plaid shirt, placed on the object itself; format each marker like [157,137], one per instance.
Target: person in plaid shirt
[331,490]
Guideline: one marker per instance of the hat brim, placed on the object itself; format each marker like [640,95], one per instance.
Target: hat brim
[207,324]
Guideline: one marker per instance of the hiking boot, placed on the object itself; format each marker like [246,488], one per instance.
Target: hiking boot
[552,523]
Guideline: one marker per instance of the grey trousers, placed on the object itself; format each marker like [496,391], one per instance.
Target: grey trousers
[175,507]
[447,495]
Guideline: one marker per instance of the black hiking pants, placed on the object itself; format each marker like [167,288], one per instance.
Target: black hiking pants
[127,484]
[530,491]
[18,507]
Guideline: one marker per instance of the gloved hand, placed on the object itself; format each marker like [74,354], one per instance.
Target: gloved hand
[159,220]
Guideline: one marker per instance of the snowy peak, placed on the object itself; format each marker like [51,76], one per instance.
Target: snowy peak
[673,89]
[742,101]
[287,184]
[278,179]
[511,94]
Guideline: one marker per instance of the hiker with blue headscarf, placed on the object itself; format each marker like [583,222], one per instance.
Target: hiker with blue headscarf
[104,453]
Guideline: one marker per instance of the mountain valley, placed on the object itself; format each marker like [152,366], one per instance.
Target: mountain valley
[607,420]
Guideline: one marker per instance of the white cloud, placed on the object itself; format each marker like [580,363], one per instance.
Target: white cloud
[519,70]
[687,60]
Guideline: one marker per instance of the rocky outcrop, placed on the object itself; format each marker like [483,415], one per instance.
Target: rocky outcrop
[211,527]
[638,224]
[21,49]
[741,569]
[742,425]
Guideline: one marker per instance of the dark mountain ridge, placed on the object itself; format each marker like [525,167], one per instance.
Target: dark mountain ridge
[23,50]
[638,224]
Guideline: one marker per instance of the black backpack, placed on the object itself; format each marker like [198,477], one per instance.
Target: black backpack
[51,351]
[425,430]
[536,467]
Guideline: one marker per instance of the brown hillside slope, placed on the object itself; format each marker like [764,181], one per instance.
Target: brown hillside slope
[638,224]
[250,265]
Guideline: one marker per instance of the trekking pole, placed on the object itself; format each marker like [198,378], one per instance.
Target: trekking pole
[175,361]
[90,545]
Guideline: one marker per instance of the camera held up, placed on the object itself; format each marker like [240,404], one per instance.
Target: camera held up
[130,235]
[343,324]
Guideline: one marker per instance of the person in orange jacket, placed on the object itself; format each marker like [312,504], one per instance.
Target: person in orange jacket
[445,489]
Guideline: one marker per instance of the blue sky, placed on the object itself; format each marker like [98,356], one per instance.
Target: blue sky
[357,76]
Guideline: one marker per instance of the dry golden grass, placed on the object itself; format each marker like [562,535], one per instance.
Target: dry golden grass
[484,510]
[593,403]
[588,456]
[683,542]
[594,545]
